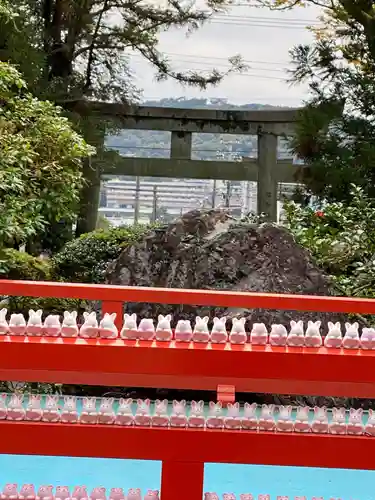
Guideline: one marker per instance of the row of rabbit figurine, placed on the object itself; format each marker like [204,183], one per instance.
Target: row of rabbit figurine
[45,492]
[145,330]
[270,417]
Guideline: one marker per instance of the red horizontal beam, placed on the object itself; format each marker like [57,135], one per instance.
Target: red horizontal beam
[188,445]
[293,370]
[193,297]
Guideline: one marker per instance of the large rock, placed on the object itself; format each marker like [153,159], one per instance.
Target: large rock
[209,250]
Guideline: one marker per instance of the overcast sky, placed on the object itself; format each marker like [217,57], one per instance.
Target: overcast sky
[263,38]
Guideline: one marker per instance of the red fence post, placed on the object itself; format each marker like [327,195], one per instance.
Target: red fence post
[182,480]
[114,307]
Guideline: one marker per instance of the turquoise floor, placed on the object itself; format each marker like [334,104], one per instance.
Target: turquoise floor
[290,481]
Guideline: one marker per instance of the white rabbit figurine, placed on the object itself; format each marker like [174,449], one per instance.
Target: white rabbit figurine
[106,414]
[368,338]
[124,414]
[160,417]
[249,420]
[3,406]
[163,328]
[302,424]
[142,413]
[370,424]
[238,333]
[278,335]
[52,325]
[266,419]
[34,326]
[284,422]
[69,413]
[320,422]
[178,417]
[219,333]
[334,336]
[17,324]
[355,424]
[146,329]
[313,337]
[107,327]
[296,337]
[196,418]
[338,423]
[34,408]
[69,326]
[90,327]
[259,334]
[183,331]
[233,419]
[201,333]
[215,419]
[16,410]
[4,327]
[51,411]
[351,338]
[89,414]
[130,329]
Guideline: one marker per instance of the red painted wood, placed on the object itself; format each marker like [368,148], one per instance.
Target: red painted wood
[182,480]
[188,445]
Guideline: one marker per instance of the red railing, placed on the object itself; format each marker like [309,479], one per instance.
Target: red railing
[335,372]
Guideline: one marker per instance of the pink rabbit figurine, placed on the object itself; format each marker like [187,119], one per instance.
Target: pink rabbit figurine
[320,422]
[163,329]
[27,492]
[17,324]
[229,496]
[334,336]
[351,338]
[183,331]
[219,333]
[130,329]
[313,337]
[142,414]
[201,332]
[370,424]
[51,411]
[34,327]
[215,419]
[152,495]
[233,419]
[355,424]
[107,327]
[3,406]
[106,414]
[160,417]
[284,422]
[98,493]
[62,493]
[301,423]
[69,327]
[338,423]
[69,413]
[178,417]
[238,333]
[52,325]
[124,414]
[211,496]
[249,420]
[246,496]
[90,327]
[296,336]
[10,492]
[368,338]
[259,334]
[80,493]
[146,329]
[134,494]
[16,410]
[4,327]
[264,497]
[33,408]
[89,414]
[45,493]
[278,335]
[116,494]
[196,418]
[266,419]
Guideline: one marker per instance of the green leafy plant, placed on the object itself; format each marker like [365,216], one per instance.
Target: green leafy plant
[85,259]
[341,238]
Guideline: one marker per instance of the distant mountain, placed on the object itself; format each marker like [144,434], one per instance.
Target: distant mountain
[212,103]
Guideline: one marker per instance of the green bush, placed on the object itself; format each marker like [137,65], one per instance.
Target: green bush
[85,259]
[16,265]
[341,238]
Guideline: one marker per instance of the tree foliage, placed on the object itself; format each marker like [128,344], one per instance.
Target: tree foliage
[40,162]
[336,131]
